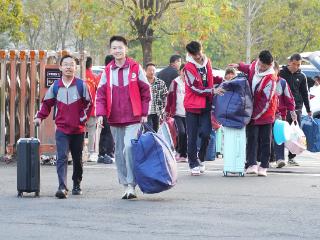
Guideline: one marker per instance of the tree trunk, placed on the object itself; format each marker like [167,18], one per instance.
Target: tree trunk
[146,45]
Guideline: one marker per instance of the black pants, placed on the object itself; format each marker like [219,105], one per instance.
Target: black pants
[197,125]
[64,143]
[106,143]
[259,144]
[180,123]
[289,119]
[154,121]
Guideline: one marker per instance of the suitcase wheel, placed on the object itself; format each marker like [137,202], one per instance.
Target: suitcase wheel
[20,194]
[37,194]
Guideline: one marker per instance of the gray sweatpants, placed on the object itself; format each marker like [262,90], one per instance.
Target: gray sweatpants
[91,128]
[123,152]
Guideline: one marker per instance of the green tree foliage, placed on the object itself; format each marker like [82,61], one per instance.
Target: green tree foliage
[230,30]
[11,18]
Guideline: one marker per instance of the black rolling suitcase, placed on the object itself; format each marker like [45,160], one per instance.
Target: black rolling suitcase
[28,166]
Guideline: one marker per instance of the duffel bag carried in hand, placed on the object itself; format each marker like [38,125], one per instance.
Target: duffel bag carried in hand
[154,164]
[311,128]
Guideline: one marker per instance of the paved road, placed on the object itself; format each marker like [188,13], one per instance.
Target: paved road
[285,205]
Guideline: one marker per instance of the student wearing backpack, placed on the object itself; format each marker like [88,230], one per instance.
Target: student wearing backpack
[123,97]
[259,131]
[72,99]
[286,104]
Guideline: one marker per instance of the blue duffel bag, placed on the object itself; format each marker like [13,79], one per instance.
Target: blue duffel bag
[234,108]
[311,128]
[154,164]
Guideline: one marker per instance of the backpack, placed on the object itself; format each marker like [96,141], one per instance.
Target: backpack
[55,90]
[79,84]
[234,108]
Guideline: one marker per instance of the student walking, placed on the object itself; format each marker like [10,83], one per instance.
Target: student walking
[91,125]
[263,85]
[197,102]
[175,109]
[123,97]
[286,105]
[72,99]
[297,82]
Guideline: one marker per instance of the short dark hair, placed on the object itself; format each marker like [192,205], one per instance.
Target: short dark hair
[67,56]
[89,62]
[150,64]
[108,59]
[295,57]
[317,77]
[174,58]
[118,38]
[193,47]
[266,57]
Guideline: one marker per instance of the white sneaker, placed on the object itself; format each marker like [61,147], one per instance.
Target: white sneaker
[125,194]
[202,167]
[93,157]
[252,169]
[262,172]
[273,164]
[131,192]
[195,171]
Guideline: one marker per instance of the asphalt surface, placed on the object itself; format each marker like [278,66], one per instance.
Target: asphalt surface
[284,205]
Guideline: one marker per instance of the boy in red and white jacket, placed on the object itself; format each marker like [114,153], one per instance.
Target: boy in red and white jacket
[73,110]
[263,85]
[199,83]
[123,97]
[285,103]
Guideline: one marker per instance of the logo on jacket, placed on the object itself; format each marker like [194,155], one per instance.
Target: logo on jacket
[134,75]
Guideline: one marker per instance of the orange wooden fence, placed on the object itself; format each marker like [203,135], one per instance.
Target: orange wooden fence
[22,86]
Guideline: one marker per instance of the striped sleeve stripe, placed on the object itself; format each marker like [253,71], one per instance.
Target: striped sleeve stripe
[190,82]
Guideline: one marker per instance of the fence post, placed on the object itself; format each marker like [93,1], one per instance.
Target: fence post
[33,82]
[13,93]
[3,78]
[23,92]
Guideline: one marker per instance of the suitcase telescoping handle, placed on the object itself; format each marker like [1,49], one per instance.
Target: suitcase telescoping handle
[37,125]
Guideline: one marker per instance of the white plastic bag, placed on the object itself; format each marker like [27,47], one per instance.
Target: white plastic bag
[297,142]
[164,131]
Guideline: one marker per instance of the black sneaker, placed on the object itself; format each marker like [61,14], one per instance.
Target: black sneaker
[62,194]
[76,190]
[105,159]
[292,162]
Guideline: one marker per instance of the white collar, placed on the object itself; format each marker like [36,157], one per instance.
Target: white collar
[67,85]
